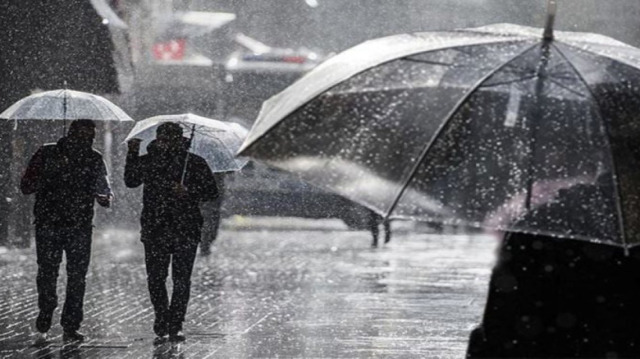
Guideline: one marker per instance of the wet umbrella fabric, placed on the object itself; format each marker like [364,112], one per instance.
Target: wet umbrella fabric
[215,141]
[478,121]
[66,105]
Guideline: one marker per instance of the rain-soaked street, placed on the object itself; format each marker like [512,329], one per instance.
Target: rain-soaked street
[272,288]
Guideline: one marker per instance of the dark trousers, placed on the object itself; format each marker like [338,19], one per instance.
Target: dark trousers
[180,253]
[50,243]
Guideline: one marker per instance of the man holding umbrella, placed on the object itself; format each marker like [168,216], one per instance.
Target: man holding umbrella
[66,178]
[175,182]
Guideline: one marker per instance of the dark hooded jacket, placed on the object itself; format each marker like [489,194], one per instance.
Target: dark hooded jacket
[164,209]
[65,178]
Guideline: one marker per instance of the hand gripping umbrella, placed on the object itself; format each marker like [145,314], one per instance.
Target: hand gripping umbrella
[483,122]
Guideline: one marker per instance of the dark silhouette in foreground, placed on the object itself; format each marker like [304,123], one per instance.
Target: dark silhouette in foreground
[171,221]
[561,298]
[66,177]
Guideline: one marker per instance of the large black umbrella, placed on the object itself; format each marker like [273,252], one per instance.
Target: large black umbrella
[475,126]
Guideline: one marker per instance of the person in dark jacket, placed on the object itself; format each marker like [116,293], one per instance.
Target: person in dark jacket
[66,177]
[171,221]
[563,298]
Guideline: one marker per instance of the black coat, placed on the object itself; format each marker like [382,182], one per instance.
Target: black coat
[65,180]
[165,210]
[561,298]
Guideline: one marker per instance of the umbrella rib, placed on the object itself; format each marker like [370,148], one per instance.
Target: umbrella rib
[101,111]
[28,112]
[559,84]
[231,155]
[90,99]
[524,78]
[529,77]
[108,108]
[438,63]
[445,123]
[205,131]
[616,184]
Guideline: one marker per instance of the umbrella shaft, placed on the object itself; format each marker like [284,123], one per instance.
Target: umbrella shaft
[64,111]
[533,128]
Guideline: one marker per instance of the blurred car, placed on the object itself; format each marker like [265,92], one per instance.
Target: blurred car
[174,43]
[258,190]
[255,71]
[174,73]
[256,56]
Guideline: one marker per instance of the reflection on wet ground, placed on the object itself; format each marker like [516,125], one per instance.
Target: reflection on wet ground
[270,290]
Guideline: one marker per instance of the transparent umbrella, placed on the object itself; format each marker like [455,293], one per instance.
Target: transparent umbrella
[489,123]
[64,105]
[215,141]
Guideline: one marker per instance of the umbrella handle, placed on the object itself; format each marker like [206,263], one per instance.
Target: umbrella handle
[551,16]
[186,159]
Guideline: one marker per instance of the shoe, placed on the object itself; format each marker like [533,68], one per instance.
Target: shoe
[41,339]
[160,339]
[177,337]
[160,328]
[43,322]
[72,336]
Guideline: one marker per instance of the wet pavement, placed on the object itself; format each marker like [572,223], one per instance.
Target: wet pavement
[272,288]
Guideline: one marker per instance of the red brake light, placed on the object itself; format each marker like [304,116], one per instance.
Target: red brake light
[169,50]
[295,59]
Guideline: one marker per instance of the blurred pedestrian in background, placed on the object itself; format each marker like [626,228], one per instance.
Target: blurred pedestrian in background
[374,223]
[211,212]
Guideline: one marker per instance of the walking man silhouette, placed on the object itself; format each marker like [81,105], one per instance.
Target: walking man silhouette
[175,182]
[66,178]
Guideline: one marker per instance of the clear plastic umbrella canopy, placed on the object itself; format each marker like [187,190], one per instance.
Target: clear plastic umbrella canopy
[66,105]
[215,141]
[482,127]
